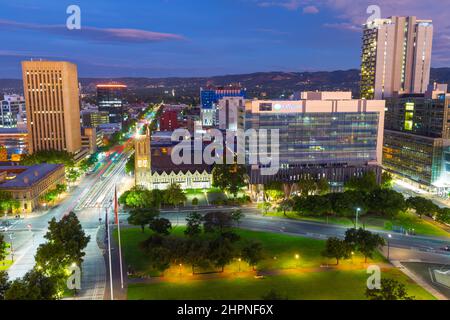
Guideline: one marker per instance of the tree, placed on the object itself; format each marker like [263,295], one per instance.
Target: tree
[35,285]
[273,295]
[197,254]
[140,197]
[231,178]
[364,242]
[142,217]
[237,216]
[7,202]
[161,226]
[345,204]
[4,284]
[49,156]
[443,215]
[221,252]
[274,191]
[174,195]
[266,207]
[422,206]
[367,182]
[66,241]
[2,248]
[72,175]
[323,186]
[129,167]
[217,221]
[285,205]
[390,290]
[387,180]
[252,253]
[313,205]
[194,225]
[307,187]
[337,249]
[159,255]
[386,202]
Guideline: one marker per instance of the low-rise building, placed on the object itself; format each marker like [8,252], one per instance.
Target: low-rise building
[29,184]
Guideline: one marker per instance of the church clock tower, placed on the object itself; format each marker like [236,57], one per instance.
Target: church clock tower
[143,159]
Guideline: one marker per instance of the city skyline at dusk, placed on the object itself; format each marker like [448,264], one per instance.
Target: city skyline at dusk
[205,38]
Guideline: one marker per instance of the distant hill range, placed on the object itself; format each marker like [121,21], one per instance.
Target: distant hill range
[265,84]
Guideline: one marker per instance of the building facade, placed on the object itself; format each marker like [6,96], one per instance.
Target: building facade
[231,113]
[417,139]
[12,111]
[396,56]
[325,135]
[111,99]
[155,170]
[210,97]
[169,121]
[29,184]
[52,106]
[15,141]
[94,119]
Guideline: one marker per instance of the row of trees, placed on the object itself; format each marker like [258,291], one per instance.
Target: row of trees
[7,202]
[356,240]
[139,197]
[383,202]
[66,241]
[52,195]
[209,243]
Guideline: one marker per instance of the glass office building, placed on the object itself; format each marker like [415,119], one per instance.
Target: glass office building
[333,139]
[111,99]
[417,139]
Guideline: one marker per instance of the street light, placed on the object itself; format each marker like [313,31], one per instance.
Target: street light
[297,257]
[357,215]
[239,264]
[181,265]
[389,246]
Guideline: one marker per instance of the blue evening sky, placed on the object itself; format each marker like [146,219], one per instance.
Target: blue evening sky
[160,38]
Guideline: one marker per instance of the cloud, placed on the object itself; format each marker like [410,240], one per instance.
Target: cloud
[310,10]
[351,14]
[95,34]
[291,5]
[344,26]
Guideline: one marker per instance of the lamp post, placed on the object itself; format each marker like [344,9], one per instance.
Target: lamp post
[297,258]
[389,246]
[239,264]
[357,215]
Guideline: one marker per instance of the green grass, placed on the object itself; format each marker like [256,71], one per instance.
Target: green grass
[279,251]
[406,220]
[296,279]
[327,285]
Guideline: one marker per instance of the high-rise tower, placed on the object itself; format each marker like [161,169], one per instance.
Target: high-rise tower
[52,105]
[143,159]
[396,57]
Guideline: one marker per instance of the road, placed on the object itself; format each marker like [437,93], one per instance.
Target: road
[88,200]
[417,247]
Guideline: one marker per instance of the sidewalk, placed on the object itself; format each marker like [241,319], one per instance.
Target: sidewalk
[419,281]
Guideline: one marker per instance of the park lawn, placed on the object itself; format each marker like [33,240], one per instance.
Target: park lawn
[326,285]
[280,252]
[406,220]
